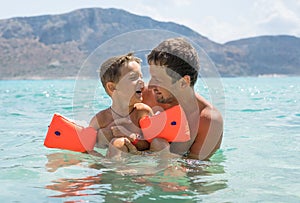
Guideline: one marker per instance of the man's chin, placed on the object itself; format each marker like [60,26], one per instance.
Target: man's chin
[162,101]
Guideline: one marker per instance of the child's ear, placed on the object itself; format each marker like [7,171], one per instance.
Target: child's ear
[110,87]
[185,81]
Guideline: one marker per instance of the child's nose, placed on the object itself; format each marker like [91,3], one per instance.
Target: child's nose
[141,83]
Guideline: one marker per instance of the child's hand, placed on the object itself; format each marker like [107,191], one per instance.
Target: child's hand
[120,131]
[143,107]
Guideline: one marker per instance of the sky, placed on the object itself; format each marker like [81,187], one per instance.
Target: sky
[219,20]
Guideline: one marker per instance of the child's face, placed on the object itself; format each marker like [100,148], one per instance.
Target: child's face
[131,84]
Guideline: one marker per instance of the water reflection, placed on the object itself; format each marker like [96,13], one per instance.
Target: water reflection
[59,160]
[73,186]
[182,179]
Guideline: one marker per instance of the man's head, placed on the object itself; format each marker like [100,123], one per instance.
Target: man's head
[122,74]
[179,58]
[174,63]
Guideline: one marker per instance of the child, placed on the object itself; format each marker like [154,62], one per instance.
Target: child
[121,78]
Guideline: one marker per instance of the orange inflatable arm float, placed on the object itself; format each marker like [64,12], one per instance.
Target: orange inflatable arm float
[64,134]
[170,124]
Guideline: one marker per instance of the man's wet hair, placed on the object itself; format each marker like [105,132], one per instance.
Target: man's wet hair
[178,56]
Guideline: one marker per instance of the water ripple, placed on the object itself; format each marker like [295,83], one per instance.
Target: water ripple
[255,110]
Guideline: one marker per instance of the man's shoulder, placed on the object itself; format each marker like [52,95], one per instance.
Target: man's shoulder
[211,114]
[207,110]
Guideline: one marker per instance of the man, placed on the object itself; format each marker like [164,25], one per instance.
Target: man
[174,67]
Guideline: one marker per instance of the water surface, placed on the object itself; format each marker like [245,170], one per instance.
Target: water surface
[258,160]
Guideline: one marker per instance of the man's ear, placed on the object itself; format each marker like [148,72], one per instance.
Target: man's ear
[110,87]
[185,81]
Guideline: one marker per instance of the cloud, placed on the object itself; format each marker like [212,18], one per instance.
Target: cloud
[278,17]
[231,20]
[182,2]
[222,31]
[260,17]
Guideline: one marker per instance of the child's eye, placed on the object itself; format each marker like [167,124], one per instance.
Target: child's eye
[134,76]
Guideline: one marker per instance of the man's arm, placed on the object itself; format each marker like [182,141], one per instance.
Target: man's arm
[209,136]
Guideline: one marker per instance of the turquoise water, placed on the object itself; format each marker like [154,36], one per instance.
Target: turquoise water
[258,160]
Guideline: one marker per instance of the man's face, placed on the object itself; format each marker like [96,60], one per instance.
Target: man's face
[162,85]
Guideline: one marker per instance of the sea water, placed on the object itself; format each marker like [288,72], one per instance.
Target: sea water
[258,161]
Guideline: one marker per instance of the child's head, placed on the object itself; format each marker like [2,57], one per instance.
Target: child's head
[122,73]
[110,70]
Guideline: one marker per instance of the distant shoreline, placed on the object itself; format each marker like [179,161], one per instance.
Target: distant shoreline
[38,78]
[90,78]
[46,78]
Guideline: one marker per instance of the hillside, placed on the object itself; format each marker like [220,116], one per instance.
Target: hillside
[55,46]
[269,54]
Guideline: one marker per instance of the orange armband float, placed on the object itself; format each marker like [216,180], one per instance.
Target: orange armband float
[65,134]
[170,124]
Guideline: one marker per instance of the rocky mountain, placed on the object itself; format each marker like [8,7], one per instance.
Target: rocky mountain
[55,46]
[269,54]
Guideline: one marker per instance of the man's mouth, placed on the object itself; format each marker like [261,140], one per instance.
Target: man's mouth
[138,91]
